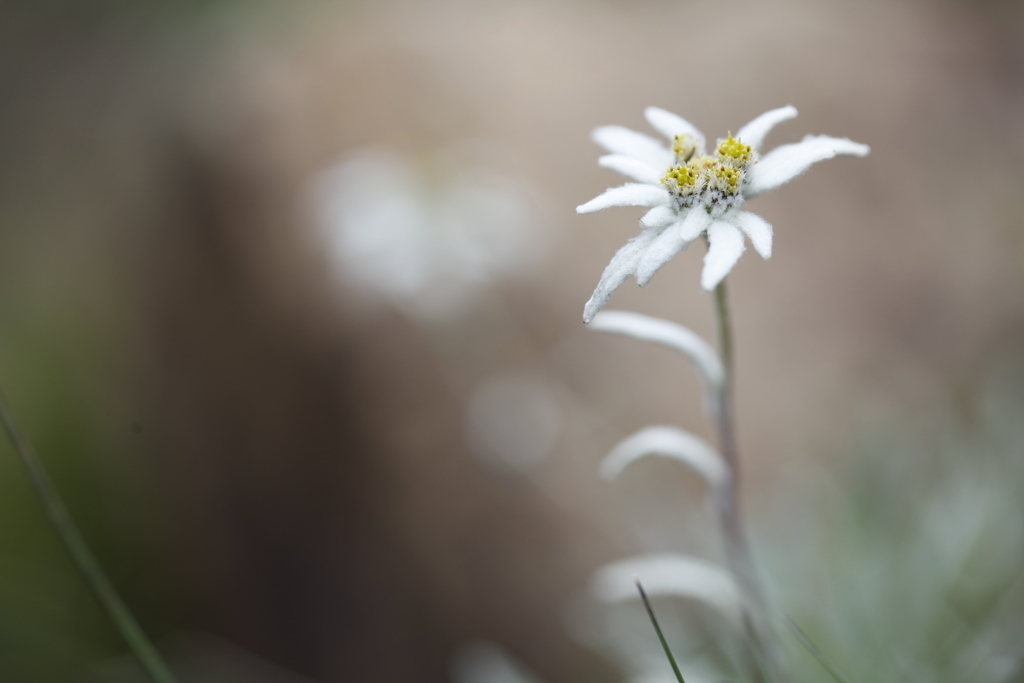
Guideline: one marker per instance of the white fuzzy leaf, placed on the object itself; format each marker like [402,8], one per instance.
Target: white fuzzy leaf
[754,133]
[672,335]
[757,229]
[674,240]
[622,265]
[670,574]
[621,140]
[786,162]
[630,194]
[631,168]
[660,217]
[724,250]
[667,442]
[695,222]
[662,250]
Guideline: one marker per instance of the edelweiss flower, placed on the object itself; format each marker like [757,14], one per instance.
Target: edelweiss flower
[692,193]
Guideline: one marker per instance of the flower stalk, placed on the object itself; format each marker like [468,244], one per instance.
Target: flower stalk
[691,194]
[74,543]
[738,555]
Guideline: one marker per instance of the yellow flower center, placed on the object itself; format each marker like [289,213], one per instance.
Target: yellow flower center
[735,152]
[684,146]
[702,165]
[727,178]
[681,175]
[702,177]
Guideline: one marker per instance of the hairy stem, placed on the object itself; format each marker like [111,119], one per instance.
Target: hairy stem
[73,541]
[737,547]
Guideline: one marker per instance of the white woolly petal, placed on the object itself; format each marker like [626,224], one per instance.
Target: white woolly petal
[670,125]
[620,140]
[723,253]
[631,168]
[660,217]
[757,229]
[630,194]
[672,335]
[784,163]
[694,223]
[667,245]
[670,574]
[622,265]
[674,240]
[668,442]
[753,133]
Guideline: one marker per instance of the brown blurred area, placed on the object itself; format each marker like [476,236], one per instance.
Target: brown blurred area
[266,461]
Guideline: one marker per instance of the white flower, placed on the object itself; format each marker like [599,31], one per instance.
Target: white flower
[425,231]
[691,193]
[485,662]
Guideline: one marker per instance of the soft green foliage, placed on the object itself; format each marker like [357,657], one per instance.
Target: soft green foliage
[51,626]
[920,555]
[903,563]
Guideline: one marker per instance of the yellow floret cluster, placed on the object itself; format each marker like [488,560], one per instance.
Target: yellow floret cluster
[693,174]
[727,178]
[684,147]
[735,152]
[680,176]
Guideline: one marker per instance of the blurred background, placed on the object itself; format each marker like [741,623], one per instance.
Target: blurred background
[290,300]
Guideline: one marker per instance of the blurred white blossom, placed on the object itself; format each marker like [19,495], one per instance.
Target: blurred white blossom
[691,193]
[425,232]
[485,662]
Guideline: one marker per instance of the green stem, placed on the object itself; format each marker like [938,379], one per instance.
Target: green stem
[737,548]
[805,640]
[657,629]
[73,541]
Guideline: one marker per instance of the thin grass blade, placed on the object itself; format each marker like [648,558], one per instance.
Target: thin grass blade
[661,636]
[815,652]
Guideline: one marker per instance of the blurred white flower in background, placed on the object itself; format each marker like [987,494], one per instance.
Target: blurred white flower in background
[484,662]
[425,232]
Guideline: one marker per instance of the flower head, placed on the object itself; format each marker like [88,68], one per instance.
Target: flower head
[691,193]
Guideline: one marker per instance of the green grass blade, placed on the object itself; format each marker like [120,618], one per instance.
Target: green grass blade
[815,652]
[661,636]
[73,541]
